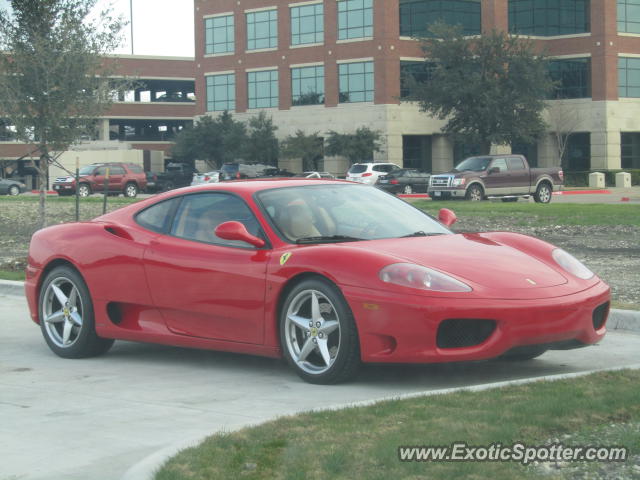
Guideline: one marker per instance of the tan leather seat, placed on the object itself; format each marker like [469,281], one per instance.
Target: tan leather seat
[296,222]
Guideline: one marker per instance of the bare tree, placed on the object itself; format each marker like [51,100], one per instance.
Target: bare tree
[563,122]
[54,80]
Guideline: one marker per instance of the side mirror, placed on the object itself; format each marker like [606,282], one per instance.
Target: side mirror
[237,231]
[447,217]
[493,170]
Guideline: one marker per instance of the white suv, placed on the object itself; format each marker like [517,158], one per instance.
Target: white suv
[369,172]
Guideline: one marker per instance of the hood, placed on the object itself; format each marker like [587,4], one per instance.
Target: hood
[475,260]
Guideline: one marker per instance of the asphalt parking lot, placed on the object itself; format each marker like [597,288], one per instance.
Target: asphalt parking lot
[97,418]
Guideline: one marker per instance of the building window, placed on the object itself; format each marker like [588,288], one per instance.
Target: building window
[420,71]
[630,150]
[355,19]
[549,17]
[356,82]
[307,24]
[262,29]
[307,85]
[572,78]
[577,156]
[417,15]
[629,16]
[221,92]
[219,35]
[263,89]
[629,77]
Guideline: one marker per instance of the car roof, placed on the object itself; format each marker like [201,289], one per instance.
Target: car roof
[259,184]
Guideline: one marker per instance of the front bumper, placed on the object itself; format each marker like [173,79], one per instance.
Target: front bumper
[64,187]
[447,192]
[404,329]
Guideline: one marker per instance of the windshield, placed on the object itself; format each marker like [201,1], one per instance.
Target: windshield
[358,168]
[473,164]
[334,213]
[229,168]
[88,170]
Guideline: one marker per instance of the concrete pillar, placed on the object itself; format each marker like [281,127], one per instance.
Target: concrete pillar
[103,130]
[441,153]
[605,151]
[623,180]
[393,152]
[548,152]
[596,180]
[337,166]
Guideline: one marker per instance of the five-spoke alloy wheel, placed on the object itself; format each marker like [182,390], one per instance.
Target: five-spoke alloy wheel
[318,334]
[66,316]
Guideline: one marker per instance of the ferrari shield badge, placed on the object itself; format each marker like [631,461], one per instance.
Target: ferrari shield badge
[285,257]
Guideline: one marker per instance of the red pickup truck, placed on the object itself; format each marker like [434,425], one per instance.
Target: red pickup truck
[125,178]
[496,176]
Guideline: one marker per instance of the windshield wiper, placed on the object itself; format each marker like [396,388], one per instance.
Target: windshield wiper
[421,233]
[328,239]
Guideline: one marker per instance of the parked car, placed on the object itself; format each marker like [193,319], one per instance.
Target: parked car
[240,171]
[176,175]
[125,178]
[327,274]
[325,175]
[369,172]
[500,176]
[404,180]
[208,177]
[11,187]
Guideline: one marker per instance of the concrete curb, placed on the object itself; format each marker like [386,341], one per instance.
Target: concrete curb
[10,287]
[149,466]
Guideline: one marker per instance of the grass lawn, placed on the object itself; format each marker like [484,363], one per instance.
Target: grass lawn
[12,275]
[535,214]
[362,442]
[58,199]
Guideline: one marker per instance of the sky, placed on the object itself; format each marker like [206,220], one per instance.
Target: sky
[160,27]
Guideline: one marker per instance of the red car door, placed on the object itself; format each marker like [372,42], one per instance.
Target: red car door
[203,285]
[497,180]
[116,176]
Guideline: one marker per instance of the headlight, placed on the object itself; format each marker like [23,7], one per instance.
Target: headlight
[571,264]
[69,179]
[417,276]
[459,181]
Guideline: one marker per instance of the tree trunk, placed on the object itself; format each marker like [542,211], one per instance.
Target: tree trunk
[485,147]
[43,171]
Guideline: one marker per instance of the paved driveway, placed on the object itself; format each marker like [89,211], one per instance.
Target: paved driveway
[94,419]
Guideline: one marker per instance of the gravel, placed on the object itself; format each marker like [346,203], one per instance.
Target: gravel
[613,252]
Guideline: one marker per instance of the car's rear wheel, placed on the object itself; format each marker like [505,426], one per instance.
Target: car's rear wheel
[66,316]
[318,334]
[84,190]
[475,193]
[14,190]
[131,190]
[407,190]
[543,193]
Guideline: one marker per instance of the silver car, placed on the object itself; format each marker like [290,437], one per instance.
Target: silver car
[208,177]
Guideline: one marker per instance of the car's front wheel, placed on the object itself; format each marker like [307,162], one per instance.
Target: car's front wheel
[475,193]
[66,316]
[131,190]
[14,190]
[318,334]
[84,190]
[407,190]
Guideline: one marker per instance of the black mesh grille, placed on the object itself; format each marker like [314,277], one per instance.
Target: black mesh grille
[464,332]
[600,315]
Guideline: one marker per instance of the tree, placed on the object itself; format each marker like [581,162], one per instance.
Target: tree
[214,140]
[54,83]
[490,90]
[563,122]
[262,144]
[356,147]
[310,148]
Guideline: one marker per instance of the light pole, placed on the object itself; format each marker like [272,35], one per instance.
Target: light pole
[131,21]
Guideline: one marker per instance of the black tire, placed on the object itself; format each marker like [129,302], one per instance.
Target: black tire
[510,200]
[14,190]
[341,344]
[475,193]
[407,190]
[543,193]
[131,190]
[85,341]
[84,190]
[523,354]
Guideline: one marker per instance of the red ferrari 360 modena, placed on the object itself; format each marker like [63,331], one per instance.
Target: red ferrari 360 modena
[329,274]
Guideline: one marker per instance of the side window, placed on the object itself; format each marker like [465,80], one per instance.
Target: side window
[198,216]
[101,171]
[136,168]
[516,163]
[157,217]
[116,171]
[500,163]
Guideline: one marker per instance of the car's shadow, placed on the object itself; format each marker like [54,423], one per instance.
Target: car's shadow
[401,376]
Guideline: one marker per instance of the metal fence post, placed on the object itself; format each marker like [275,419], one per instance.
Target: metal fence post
[106,191]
